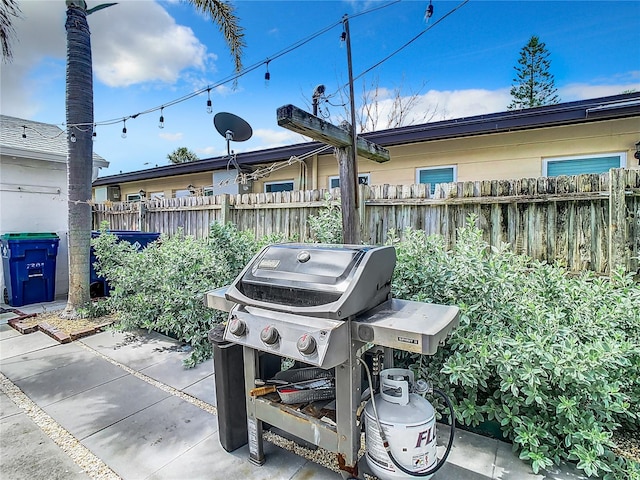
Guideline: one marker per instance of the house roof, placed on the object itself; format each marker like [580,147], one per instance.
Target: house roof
[44,141]
[583,111]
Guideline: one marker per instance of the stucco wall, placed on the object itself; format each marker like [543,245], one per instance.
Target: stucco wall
[33,198]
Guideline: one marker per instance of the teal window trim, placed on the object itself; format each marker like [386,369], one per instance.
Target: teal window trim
[581,164]
[443,174]
[280,186]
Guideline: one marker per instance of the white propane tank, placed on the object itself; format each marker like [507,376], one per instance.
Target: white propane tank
[409,424]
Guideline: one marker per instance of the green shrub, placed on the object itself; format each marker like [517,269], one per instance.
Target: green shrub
[554,358]
[326,226]
[162,287]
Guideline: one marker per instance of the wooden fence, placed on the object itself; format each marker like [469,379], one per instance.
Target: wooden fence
[585,221]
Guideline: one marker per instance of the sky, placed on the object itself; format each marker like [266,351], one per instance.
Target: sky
[459,63]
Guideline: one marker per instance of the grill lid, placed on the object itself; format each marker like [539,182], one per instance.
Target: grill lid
[330,281]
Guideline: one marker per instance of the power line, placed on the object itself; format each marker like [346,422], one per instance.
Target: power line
[233,77]
[398,50]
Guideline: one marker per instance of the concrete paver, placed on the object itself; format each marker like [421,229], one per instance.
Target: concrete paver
[7,331]
[137,350]
[14,346]
[93,410]
[42,361]
[33,455]
[140,444]
[170,371]
[67,380]
[204,390]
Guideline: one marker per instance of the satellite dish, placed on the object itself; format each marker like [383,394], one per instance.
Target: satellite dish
[232,128]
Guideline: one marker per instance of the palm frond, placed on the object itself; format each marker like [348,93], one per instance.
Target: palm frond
[222,14]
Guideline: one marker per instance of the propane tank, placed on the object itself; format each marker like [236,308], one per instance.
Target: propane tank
[409,425]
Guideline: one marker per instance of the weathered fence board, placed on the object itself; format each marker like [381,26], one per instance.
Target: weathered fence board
[584,222]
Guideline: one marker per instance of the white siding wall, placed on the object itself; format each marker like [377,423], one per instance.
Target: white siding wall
[33,198]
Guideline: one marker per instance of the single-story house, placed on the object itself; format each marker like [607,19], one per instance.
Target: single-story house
[585,136]
[33,185]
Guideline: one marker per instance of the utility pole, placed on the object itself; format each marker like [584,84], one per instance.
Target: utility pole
[348,162]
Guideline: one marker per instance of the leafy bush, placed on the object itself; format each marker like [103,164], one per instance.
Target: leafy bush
[554,358]
[326,226]
[162,287]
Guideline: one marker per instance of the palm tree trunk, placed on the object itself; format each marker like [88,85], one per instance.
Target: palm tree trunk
[79,114]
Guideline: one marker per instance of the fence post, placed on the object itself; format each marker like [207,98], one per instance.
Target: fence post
[618,251]
[142,216]
[224,211]
[363,195]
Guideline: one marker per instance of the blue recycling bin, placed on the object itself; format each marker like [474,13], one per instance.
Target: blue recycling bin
[29,265]
[99,287]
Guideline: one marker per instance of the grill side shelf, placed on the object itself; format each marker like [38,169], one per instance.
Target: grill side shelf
[406,325]
[216,299]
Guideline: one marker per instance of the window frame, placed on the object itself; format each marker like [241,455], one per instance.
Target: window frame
[134,197]
[454,169]
[278,182]
[360,175]
[547,160]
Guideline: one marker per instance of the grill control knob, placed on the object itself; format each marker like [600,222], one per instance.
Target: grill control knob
[237,327]
[269,335]
[306,344]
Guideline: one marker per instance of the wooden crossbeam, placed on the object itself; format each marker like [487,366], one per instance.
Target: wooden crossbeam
[297,120]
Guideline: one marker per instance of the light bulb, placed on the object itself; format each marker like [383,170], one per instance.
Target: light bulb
[209,106]
[72,137]
[124,132]
[161,122]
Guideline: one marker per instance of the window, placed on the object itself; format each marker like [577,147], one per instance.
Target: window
[552,167]
[181,193]
[434,175]
[133,197]
[284,186]
[157,195]
[363,179]
[208,191]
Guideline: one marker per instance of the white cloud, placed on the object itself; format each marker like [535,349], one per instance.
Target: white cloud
[451,104]
[127,50]
[134,41]
[266,138]
[579,91]
[171,137]
[29,50]
[438,105]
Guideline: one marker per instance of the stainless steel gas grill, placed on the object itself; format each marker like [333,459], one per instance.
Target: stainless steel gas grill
[322,306]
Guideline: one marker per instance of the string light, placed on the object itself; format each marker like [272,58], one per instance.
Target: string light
[24,131]
[267,75]
[161,121]
[94,135]
[72,137]
[289,49]
[209,106]
[429,12]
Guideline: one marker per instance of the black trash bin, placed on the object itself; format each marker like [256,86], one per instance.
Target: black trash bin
[228,367]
